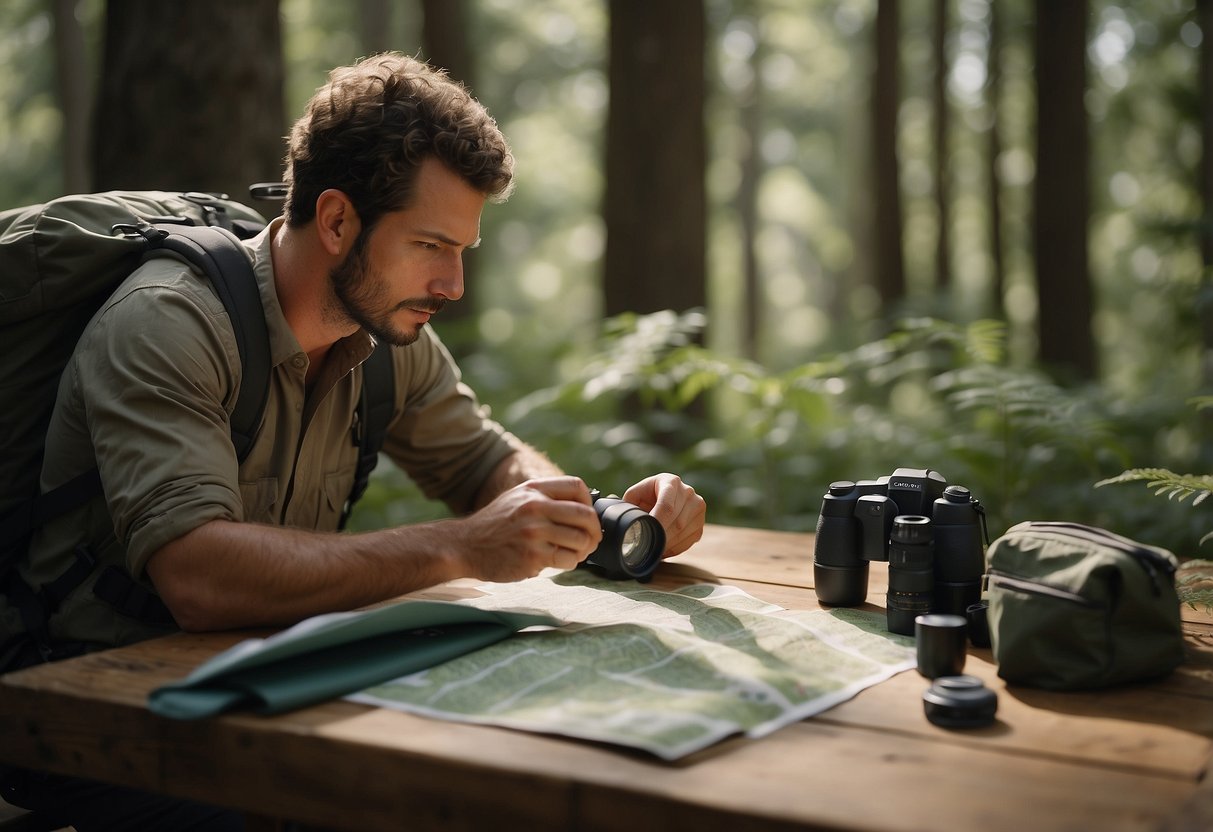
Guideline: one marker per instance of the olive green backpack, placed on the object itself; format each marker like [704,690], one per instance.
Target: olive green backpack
[1075,607]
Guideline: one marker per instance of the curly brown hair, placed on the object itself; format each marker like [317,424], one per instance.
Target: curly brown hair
[368,129]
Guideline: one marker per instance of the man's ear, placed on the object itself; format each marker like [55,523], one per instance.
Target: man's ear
[337,223]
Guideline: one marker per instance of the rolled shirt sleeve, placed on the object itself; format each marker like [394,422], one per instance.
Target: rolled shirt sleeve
[161,369]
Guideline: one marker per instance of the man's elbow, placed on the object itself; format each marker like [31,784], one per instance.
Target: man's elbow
[189,607]
[190,601]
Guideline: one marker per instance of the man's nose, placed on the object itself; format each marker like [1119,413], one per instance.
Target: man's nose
[448,280]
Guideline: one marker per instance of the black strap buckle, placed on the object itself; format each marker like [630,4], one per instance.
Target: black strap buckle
[121,592]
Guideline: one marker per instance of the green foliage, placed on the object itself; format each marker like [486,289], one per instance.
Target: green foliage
[763,446]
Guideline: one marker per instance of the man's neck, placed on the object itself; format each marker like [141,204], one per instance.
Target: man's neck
[301,279]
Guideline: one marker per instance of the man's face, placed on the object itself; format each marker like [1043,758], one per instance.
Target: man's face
[411,262]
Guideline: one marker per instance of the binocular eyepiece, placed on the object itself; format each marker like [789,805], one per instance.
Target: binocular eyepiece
[632,540]
[929,532]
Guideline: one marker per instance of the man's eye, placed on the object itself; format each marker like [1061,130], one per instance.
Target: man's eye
[427,245]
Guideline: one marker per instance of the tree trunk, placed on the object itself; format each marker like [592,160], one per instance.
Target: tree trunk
[943,176]
[655,204]
[72,83]
[444,38]
[747,207]
[445,44]
[886,99]
[1204,12]
[993,152]
[375,25]
[1066,297]
[190,98]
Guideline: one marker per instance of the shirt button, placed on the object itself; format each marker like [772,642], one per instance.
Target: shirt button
[298,362]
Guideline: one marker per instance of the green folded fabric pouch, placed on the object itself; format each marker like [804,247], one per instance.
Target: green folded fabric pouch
[336,654]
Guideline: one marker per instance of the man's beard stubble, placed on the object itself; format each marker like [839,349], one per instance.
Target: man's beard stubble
[360,295]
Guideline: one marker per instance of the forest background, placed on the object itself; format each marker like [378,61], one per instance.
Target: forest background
[767,244]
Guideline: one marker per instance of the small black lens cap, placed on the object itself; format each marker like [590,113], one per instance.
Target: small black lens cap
[979,623]
[959,702]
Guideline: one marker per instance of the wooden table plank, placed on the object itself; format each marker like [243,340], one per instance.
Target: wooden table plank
[1125,759]
[319,763]
[730,552]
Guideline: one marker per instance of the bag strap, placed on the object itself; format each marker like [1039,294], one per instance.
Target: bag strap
[221,257]
[375,407]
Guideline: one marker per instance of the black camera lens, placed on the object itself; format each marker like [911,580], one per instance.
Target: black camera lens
[911,531]
[911,572]
[632,540]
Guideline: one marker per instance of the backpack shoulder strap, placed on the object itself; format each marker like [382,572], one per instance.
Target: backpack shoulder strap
[222,258]
[374,414]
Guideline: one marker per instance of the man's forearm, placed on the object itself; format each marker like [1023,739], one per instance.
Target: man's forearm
[527,463]
[226,574]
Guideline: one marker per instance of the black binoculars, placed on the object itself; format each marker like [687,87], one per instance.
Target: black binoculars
[632,540]
[930,533]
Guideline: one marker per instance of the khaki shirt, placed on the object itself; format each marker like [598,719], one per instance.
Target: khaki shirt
[146,397]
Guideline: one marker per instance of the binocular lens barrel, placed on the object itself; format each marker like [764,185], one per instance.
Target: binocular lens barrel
[959,559]
[632,540]
[638,542]
[840,575]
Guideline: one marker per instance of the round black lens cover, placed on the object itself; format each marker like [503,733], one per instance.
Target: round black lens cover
[959,702]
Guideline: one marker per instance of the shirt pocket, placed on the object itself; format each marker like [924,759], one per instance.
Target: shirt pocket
[260,498]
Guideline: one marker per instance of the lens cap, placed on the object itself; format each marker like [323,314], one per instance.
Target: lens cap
[940,644]
[960,702]
[979,623]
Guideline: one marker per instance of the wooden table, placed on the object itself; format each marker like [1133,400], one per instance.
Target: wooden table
[1135,757]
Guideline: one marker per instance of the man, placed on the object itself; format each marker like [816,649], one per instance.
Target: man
[388,171]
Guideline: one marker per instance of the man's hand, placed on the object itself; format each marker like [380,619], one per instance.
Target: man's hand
[526,529]
[675,504]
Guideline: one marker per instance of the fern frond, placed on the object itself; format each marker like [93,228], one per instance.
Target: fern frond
[1197,598]
[1167,483]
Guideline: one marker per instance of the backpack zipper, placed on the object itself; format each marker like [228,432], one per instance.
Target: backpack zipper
[1148,559]
[1038,588]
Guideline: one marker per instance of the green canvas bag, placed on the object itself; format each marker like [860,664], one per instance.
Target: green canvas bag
[1074,607]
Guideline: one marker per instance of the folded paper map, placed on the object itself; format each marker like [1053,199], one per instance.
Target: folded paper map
[666,672]
[331,655]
